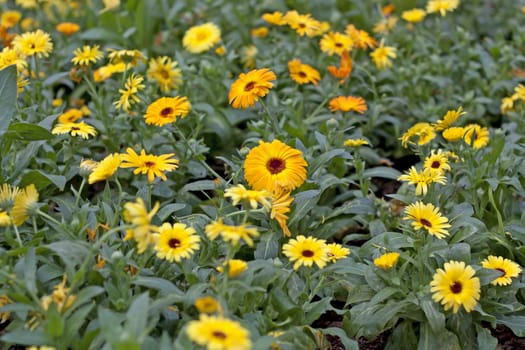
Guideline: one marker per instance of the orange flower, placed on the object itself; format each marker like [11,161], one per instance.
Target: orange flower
[348,103]
[345,68]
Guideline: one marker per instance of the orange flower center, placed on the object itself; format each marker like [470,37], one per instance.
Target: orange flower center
[425,222]
[275,165]
[307,253]
[249,86]
[219,334]
[165,112]
[435,164]
[456,287]
[174,243]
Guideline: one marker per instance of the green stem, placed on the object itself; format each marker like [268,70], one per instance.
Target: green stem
[82,184]
[48,217]
[271,119]
[18,235]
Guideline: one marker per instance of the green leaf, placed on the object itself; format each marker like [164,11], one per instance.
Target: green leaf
[30,271]
[515,323]
[42,180]
[26,337]
[137,316]
[268,247]
[487,275]
[382,171]
[100,34]
[429,340]
[326,157]
[85,295]
[435,318]
[54,325]
[27,132]
[160,284]
[201,185]
[304,202]
[485,340]
[7,97]
[169,209]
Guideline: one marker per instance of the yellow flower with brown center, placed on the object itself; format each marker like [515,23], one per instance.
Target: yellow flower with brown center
[280,208]
[207,305]
[450,118]
[442,6]
[303,24]
[105,168]
[142,231]
[164,72]
[148,163]
[361,38]
[428,217]
[508,269]
[176,242]
[348,103]
[455,286]
[231,233]
[422,179]
[218,333]
[453,134]
[382,56]
[67,28]
[356,142]
[476,136]
[275,18]
[387,260]
[166,110]
[37,43]
[437,161]
[307,251]
[415,15]
[303,73]
[70,116]
[239,194]
[87,55]
[423,133]
[247,89]
[274,166]
[10,18]
[336,252]
[75,129]
[235,267]
[24,204]
[336,43]
[201,38]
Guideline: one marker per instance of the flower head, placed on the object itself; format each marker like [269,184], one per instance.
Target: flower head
[8,194]
[336,251]
[442,6]
[144,233]
[247,89]
[166,110]
[239,194]
[67,28]
[148,163]
[128,95]
[70,116]
[437,161]
[422,132]
[231,233]
[105,168]
[362,40]
[235,267]
[60,296]
[36,43]
[428,217]
[422,179]
[455,286]
[218,333]
[382,55]
[453,134]
[176,242]
[476,136]
[24,204]
[275,18]
[344,70]
[307,251]
[356,142]
[336,43]
[348,103]
[387,260]
[75,129]
[508,269]
[128,57]
[87,55]
[414,15]
[303,24]
[207,305]
[281,203]
[10,18]
[164,72]
[201,38]
[302,73]
[450,118]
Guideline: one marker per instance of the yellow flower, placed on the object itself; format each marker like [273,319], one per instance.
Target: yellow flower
[87,55]
[428,217]
[356,142]
[128,95]
[453,134]
[144,233]
[10,18]
[507,105]
[148,164]
[201,38]
[336,43]
[130,57]
[235,267]
[110,5]
[302,24]
[67,28]
[422,179]
[70,116]
[24,204]
[362,40]
[307,251]
[519,92]
[248,55]
[231,233]
[302,73]
[414,15]
[75,129]
[508,269]
[166,110]
[105,168]
[442,6]
[274,166]
[280,208]
[348,103]
[275,18]
[176,242]
[163,70]
[456,286]
[10,56]
[60,296]
[247,89]
[34,43]
[218,333]
[336,251]
[5,219]
[437,162]
[8,195]
[382,55]
[259,32]
[4,315]
[387,260]
[385,25]
[449,119]
[107,71]
[207,305]
[239,194]
[220,50]
[86,166]
[424,132]
[476,136]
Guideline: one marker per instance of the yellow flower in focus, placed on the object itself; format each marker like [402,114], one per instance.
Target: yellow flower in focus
[476,136]
[176,242]
[428,217]
[201,38]
[75,129]
[414,16]
[423,132]
[235,267]
[105,168]
[508,269]
[87,55]
[336,43]
[218,333]
[67,28]
[166,110]
[247,89]
[336,251]
[10,18]
[437,161]
[356,142]
[442,6]
[348,103]
[239,194]
[24,205]
[128,95]
[307,251]
[302,24]
[281,202]
[149,164]
[422,179]
[231,233]
[387,260]
[453,134]
[302,73]
[207,305]
[382,55]
[37,43]
[450,118]
[163,70]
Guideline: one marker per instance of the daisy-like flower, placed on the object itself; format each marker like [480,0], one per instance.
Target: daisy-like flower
[414,15]
[450,118]
[336,251]
[336,43]
[10,18]
[507,105]
[166,110]
[302,24]
[218,333]
[8,194]
[105,168]
[382,55]
[128,95]
[275,18]
[442,6]
[387,260]
[164,72]
[274,166]
[247,89]
[10,56]
[144,233]
[34,43]
[428,217]
[248,56]
[423,133]
[87,55]
[207,305]
[148,163]
[344,70]
[231,233]
[307,251]
[239,193]
[519,92]
[455,286]
[437,161]
[422,179]
[176,242]
[75,129]
[508,269]
[24,204]
[67,28]
[201,38]
[235,267]
[362,40]
[356,142]
[128,57]
[280,208]
[453,134]
[476,136]
[5,219]
[70,116]
[86,166]
[302,73]
[107,71]
[348,103]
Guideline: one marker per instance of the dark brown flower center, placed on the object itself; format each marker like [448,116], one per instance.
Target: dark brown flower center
[503,272]
[425,222]
[76,128]
[249,86]
[435,164]
[302,74]
[149,164]
[174,243]
[302,25]
[166,112]
[164,74]
[456,287]
[308,253]
[219,334]
[338,45]
[275,165]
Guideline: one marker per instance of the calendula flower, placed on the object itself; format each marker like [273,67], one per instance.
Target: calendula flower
[385,25]
[105,168]
[437,161]
[453,134]
[248,55]
[336,43]
[382,55]
[455,286]
[176,242]
[450,118]
[60,296]
[345,68]
[5,220]
[336,251]
[107,71]
[8,194]
[307,251]
[324,27]
[415,15]
[70,116]
[428,217]
[207,305]
[144,233]
[387,260]
[24,204]
[235,267]
[476,136]
[423,133]
[259,32]
[4,315]
[348,103]
[166,110]
[231,233]
[302,73]
[302,24]
[128,57]
[275,18]
[519,92]
[148,163]
[442,6]
[10,18]
[37,43]
[274,166]
[422,179]
[356,142]
[201,38]
[239,193]
[87,55]
[67,28]
[75,129]
[164,72]
[218,333]
[388,9]
[508,269]
[10,56]
[507,105]
[280,208]
[362,40]
[247,89]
